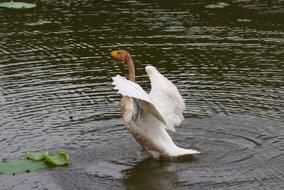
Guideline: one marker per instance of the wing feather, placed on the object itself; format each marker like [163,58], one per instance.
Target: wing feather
[166,98]
[128,88]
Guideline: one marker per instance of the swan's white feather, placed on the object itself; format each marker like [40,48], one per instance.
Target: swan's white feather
[128,88]
[153,131]
[166,98]
[149,115]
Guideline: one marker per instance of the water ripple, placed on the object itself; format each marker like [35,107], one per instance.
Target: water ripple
[56,92]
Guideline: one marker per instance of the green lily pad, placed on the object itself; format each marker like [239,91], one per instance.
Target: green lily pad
[59,159]
[36,155]
[20,166]
[17,5]
[34,161]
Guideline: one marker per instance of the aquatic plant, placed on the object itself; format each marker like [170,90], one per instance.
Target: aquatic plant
[34,161]
[17,166]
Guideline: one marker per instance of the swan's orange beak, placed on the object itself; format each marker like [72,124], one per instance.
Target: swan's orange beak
[114,54]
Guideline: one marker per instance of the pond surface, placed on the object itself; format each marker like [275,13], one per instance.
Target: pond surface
[225,57]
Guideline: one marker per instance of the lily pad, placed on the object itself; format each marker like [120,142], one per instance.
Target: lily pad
[59,159]
[34,161]
[17,5]
[20,166]
[35,155]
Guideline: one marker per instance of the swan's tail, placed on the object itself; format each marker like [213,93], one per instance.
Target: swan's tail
[183,152]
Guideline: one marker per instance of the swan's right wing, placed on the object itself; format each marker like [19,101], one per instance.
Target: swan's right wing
[128,88]
[166,98]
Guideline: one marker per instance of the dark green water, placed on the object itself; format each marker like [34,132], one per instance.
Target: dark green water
[227,60]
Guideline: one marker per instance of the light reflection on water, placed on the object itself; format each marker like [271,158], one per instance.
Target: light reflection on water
[56,93]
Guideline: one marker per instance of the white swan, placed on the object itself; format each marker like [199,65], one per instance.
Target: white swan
[147,116]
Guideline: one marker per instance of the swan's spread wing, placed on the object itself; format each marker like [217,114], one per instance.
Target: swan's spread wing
[166,98]
[128,88]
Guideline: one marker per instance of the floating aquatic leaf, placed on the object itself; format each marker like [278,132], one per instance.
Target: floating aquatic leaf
[34,161]
[35,155]
[17,5]
[20,166]
[59,159]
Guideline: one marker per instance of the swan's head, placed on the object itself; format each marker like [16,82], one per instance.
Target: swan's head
[121,55]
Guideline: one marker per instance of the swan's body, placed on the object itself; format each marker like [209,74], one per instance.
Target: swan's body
[147,116]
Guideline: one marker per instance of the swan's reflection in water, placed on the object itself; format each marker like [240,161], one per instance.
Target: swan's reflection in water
[152,174]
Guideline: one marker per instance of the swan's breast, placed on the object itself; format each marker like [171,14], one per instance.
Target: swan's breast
[145,141]
[127,108]
[131,118]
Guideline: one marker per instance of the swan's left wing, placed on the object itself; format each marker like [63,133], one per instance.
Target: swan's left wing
[131,89]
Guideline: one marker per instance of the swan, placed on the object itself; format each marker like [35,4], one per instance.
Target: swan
[148,116]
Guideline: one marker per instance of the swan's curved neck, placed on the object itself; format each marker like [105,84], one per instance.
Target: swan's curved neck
[131,69]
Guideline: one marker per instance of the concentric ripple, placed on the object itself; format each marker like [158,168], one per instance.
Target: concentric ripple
[225,57]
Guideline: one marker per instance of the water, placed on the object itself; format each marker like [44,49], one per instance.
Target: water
[225,57]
